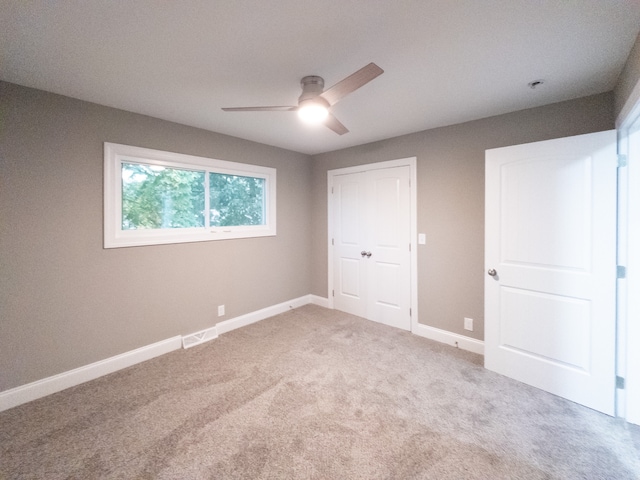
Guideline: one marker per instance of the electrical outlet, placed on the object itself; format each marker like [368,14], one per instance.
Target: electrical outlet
[468,324]
[220,310]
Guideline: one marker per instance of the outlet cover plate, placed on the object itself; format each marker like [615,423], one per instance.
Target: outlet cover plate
[468,324]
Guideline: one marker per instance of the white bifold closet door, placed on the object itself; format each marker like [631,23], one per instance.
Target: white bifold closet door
[371,245]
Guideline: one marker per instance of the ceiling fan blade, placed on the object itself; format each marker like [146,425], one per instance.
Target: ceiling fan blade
[260,109]
[334,124]
[351,83]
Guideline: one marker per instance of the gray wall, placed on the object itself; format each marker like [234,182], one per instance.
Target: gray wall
[451,199]
[64,300]
[628,79]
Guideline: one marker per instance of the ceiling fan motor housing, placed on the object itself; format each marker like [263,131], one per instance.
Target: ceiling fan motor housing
[314,103]
[312,87]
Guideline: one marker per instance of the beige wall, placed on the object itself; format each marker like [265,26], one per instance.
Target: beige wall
[64,300]
[628,80]
[451,199]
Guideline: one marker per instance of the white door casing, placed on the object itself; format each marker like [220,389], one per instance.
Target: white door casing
[628,355]
[550,235]
[371,231]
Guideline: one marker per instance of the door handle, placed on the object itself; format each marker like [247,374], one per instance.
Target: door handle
[492,272]
[365,254]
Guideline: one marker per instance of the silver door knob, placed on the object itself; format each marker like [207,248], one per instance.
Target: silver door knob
[369,254]
[363,253]
[492,272]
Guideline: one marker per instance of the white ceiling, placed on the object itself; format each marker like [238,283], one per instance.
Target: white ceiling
[445,61]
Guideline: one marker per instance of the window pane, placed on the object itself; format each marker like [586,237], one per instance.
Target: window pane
[236,200]
[160,197]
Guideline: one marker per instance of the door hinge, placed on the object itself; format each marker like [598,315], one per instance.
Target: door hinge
[622,160]
[409,312]
[621,272]
[333,293]
[620,383]
[332,242]
[409,247]
[332,190]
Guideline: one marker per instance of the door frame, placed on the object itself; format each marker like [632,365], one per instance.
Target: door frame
[411,162]
[628,355]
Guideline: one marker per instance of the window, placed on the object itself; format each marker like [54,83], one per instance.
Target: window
[155,197]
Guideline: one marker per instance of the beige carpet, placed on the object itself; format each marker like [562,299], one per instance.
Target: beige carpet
[313,394]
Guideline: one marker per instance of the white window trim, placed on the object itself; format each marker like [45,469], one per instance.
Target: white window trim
[114,237]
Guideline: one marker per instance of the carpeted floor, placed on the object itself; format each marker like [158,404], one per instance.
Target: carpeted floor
[313,394]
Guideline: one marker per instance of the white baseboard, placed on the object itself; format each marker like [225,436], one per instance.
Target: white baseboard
[320,301]
[56,383]
[225,326]
[41,388]
[450,338]
[253,317]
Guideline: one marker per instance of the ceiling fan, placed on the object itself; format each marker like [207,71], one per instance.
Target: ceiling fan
[314,103]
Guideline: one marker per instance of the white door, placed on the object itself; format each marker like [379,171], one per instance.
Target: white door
[371,245]
[550,255]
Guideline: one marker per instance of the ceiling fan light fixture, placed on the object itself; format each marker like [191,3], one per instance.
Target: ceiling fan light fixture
[312,111]
[314,102]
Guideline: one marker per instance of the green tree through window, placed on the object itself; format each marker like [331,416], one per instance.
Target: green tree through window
[159,197]
[156,197]
[236,200]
